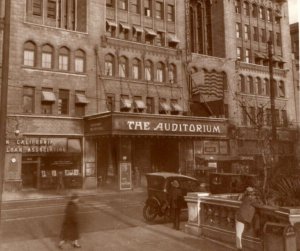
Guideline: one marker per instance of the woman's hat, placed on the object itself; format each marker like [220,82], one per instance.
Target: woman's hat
[175,183]
[250,190]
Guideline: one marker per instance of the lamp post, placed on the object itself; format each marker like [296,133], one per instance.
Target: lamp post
[272,92]
[4,92]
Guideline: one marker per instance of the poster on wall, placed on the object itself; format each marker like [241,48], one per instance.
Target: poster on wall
[125,175]
[90,169]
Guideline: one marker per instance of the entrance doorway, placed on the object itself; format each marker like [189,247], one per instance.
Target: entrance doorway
[165,155]
[30,175]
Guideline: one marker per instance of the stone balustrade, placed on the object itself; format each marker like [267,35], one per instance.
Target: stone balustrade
[213,216]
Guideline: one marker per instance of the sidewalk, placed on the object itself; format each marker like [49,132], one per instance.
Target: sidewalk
[152,237]
[34,194]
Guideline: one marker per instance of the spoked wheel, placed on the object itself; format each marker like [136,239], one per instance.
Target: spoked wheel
[150,211]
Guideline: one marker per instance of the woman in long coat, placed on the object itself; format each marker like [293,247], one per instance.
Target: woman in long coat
[70,230]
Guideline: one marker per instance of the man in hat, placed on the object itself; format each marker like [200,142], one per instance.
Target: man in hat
[176,203]
[245,214]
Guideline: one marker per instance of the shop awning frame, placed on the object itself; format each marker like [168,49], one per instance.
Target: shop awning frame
[139,104]
[81,99]
[126,103]
[176,108]
[48,96]
[138,29]
[111,23]
[125,26]
[163,106]
[173,39]
[150,32]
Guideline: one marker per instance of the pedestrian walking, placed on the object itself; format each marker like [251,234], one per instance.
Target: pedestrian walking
[176,203]
[70,228]
[60,181]
[245,214]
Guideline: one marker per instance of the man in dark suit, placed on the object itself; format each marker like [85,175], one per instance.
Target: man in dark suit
[176,203]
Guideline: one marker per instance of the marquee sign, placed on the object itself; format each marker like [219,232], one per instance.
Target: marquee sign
[154,125]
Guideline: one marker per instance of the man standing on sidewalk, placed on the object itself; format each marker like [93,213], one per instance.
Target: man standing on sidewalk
[176,203]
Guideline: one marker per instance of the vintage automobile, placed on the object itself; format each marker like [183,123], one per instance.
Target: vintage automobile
[159,187]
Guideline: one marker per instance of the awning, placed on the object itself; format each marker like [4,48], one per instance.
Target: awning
[138,29]
[150,32]
[48,96]
[163,106]
[126,103]
[74,145]
[81,99]
[111,23]
[176,108]
[260,55]
[277,58]
[139,104]
[173,39]
[125,26]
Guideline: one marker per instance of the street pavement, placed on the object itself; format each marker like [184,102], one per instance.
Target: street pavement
[134,235]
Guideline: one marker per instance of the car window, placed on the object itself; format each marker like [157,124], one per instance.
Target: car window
[156,182]
[189,185]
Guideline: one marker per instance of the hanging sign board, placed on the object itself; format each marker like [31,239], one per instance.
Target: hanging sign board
[125,175]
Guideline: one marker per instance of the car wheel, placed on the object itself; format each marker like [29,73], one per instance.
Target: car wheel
[150,211]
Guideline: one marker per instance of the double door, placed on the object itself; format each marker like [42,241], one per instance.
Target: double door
[30,177]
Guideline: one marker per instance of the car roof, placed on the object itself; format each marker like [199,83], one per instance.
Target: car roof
[168,175]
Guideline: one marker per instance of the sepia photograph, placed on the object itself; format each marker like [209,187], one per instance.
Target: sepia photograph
[167,125]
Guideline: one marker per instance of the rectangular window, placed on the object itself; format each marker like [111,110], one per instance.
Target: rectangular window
[271,36]
[135,6]
[263,35]
[79,64]
[284,118]
[136,36]
[63,102]
[47,60]
[80,106]
[171,13]
[268,117]
[246,9]
[247,55]
[269,15]
[51,9]
[260,116]
[278,39]
[110,3]
[148,8]
[46,105]
[159,10]
[63,62]
[110,102]
[247,31]
[29,58]
[255,34]
[37,7]
[239,53]
[150,105]
[253,116]
[238,30]
[160,39]
[28,99]
[123,4]
[237,6]
[244,116]
[277,117]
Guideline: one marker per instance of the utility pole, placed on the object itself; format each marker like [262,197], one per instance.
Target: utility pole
[4,92]
[272,92]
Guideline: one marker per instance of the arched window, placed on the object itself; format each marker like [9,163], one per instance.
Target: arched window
[136,69]
[267,86]
[29,54]
[80,61]
[64,59]
[242,83]
[109,65]
[261,13]
[254,10]
[47,55]
[251,85]
[237,6]
[148,70]
[269,15]
[259,86]
[160,72]
[172,73]
[123,67]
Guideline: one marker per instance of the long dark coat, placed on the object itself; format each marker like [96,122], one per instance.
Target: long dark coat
[70,229]
[176,197]
[247,209]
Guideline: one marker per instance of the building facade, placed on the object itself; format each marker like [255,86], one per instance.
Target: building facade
[100,89]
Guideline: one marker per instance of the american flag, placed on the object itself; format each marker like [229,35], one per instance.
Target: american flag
[209,85]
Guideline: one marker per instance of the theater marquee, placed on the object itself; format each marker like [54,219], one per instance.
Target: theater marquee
[137,124]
